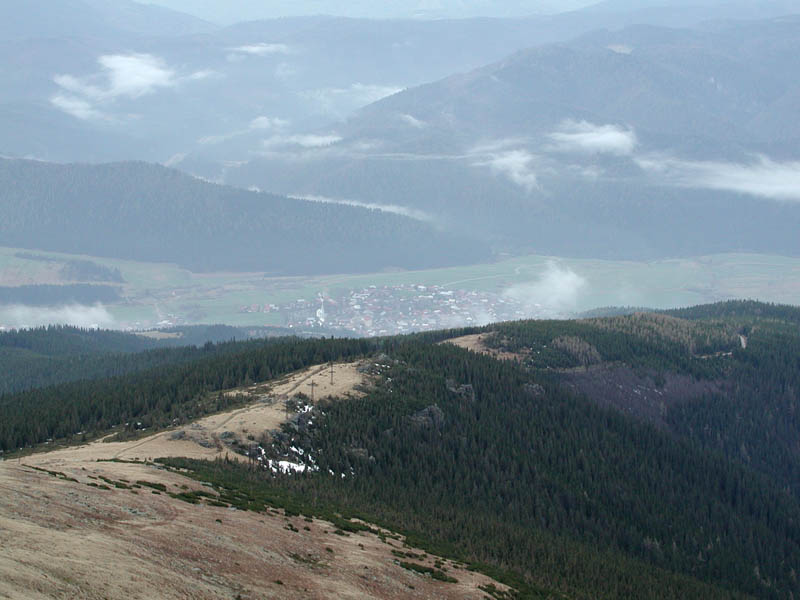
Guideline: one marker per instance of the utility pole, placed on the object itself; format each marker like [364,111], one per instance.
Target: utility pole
[313,385]
[331,373]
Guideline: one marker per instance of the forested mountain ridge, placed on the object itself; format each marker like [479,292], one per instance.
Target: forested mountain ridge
[726,375]
[147,212]
[730,72]
[46,356]
[509,463]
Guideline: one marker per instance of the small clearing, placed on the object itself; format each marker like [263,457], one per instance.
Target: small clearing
[160,335]
[477,343]
[215,436]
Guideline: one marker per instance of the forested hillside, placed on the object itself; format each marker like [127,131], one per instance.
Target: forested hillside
[45,356]
[577,500]
[514,465]
[147,212]
[748,353]
[163,395]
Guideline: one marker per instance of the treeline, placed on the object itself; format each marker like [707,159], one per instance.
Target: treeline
[739,309]
[62,340]
[754,418]
[45,356]
[642,340]
[145,212]
[161,396]
[25,370]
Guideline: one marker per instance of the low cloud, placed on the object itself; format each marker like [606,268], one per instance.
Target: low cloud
[261,49]
[396,209]
[555,294]
[517,165]
[268,123]
[210,140]
[257,124]
[307,141]
[762,178]
[175,159]
[80,109]
[491,147]
[128,76]
[588,138]
[21,316]
[131,75]
[413,121]
[620,48]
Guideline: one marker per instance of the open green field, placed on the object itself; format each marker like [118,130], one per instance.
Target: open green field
[157,292]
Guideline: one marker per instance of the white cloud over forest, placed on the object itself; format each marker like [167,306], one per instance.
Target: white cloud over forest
[261,49]
[23,316]
[588,138]
[555,293]
[404,211]
[763,177]
[122,76]
[517,165]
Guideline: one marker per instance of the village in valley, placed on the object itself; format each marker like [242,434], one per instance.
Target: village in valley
[396,309]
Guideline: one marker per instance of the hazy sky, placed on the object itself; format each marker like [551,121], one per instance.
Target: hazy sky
[230,11]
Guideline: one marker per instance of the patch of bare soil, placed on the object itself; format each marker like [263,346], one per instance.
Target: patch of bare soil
[476,343]
[217,436]
[86,529]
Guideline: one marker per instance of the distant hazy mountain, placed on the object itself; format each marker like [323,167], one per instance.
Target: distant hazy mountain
[77,87]
[731,85]
[20,19]
[100,80]
[643,142]
[146,212]
[229,11]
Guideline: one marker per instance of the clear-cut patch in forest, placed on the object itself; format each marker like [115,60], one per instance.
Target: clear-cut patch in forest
[477,343]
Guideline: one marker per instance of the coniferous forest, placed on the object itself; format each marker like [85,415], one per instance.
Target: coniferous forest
[523,468]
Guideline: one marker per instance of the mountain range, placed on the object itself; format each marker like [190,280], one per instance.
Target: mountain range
[644,142]
[635,141]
